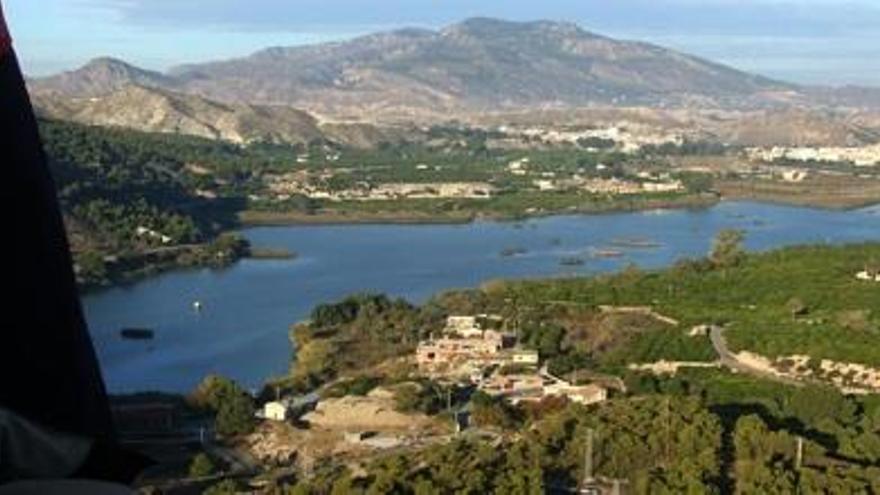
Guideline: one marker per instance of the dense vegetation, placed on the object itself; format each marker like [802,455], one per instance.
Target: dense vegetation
[673,452]
[232,406]
[763,421]
[130,204]
[354,334]
[752,296]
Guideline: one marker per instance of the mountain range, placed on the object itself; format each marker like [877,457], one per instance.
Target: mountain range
[416,75]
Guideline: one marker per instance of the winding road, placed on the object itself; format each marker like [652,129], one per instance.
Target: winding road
[729,359]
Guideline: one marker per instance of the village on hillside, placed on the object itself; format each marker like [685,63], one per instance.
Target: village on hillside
[473,352]
[471,355]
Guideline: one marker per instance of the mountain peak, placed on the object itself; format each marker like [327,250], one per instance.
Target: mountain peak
[109,67]
[107,62]
[100,76]
[489,26]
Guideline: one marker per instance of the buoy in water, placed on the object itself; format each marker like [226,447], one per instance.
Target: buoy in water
[197,306]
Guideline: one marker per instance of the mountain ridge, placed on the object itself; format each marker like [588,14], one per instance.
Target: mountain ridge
[474,65]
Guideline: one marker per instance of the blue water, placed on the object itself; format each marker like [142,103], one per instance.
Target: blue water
[248,308]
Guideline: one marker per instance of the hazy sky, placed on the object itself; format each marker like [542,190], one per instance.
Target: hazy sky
[810,41]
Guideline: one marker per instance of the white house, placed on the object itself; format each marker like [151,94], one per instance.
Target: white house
[465,326]
[545,185]
[794,175]
[581,394]
[276,411]
[587,394]
[870,275]
[524,356]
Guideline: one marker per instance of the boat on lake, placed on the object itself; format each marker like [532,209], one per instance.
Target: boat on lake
[571,261]
[137,333]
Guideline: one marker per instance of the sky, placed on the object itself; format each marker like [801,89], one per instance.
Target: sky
[834,42]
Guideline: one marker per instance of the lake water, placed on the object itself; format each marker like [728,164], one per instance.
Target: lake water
[242,332]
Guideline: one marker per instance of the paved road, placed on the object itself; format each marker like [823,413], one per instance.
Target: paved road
[729,359]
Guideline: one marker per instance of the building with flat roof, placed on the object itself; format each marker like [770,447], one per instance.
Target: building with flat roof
[448,350]
[276,411]
[581,394]
[524,356]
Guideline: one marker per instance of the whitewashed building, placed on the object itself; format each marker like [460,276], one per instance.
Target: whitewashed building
[275,411]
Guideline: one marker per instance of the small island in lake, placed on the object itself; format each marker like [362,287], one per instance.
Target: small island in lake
[267,253]
[635,243]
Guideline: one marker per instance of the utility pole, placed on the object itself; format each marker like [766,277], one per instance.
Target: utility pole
[798,462]
[588,458]
[589,484]
[666,443]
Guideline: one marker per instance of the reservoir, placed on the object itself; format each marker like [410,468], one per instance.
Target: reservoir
[242,328]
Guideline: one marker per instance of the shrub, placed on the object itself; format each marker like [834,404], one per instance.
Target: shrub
[201,466]
[233,407]
[225,487]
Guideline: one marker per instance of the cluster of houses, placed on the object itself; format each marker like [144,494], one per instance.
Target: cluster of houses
[627,137]
[470,350]
[285,186]
[621,186]
[466,347]
[430,190]
[148,233]
[473,350]
[863,156]
[612,186]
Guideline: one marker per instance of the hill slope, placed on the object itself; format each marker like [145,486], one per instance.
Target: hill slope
[157,110]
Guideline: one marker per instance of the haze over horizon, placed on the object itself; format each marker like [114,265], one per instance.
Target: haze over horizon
[805,41]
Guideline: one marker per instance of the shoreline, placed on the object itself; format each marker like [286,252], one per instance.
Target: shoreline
[256,218]
[830,197]
[850,206]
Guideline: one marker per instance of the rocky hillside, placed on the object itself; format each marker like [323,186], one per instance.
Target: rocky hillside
[475,65]
[799,127]
[156,110]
